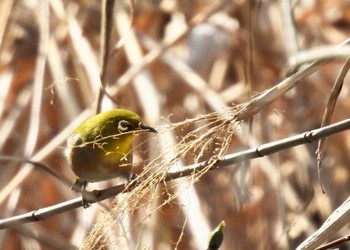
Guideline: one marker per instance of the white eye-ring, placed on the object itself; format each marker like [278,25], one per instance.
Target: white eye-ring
[123,126]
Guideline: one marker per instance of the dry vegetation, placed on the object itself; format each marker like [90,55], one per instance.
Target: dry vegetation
[186,67]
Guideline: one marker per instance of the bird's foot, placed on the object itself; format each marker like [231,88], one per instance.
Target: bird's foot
[134,181]
[84,201]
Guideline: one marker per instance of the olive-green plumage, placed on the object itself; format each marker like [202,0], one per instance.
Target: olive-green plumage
[100,148]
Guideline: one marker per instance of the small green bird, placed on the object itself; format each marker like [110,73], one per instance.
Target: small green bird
[100,148]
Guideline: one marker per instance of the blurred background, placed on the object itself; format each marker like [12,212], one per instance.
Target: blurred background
[172,60]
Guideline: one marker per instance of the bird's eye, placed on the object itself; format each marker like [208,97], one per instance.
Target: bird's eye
[123,126]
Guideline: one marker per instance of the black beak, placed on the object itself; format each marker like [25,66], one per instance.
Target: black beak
[147,128]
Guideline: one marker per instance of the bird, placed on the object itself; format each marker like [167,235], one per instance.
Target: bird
[100,148]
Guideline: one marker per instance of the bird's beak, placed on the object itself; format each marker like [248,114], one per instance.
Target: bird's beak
[147,128]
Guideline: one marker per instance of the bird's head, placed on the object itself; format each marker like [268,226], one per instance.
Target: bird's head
[115,124]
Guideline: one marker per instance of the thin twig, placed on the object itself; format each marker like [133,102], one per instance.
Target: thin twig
[39,166]
[328,115]
[334,243]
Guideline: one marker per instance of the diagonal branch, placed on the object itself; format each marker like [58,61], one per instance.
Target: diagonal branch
[256,152]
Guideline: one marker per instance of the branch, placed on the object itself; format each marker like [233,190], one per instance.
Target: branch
[106,27]
[256,152]
[41,167]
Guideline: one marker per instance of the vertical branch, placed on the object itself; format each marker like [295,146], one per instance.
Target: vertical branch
[34,121]
[35,109]
[328,115]
[291,43]
[106,32]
